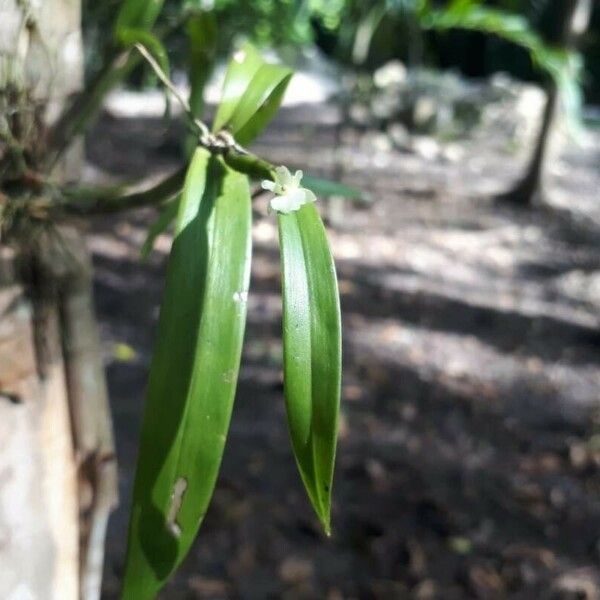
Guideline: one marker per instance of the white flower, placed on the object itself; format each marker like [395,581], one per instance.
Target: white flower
[289,196]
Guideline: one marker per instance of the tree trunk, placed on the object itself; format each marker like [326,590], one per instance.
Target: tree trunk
[57,468]
[566,22]
[38,487]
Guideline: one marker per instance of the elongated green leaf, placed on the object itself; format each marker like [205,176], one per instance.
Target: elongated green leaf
[260,102]
[193,373]
[326,187]
[240,71]
[511,27]
[312,351]
[252,93]
[165,218]
[94,200]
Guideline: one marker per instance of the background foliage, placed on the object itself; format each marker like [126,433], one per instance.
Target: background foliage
[332,26]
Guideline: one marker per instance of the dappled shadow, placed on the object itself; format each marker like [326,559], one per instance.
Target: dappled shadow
[422,466]
[549,338]
[466,462]
[401,293]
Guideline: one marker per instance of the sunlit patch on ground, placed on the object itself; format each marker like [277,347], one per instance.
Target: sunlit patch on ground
[469,454]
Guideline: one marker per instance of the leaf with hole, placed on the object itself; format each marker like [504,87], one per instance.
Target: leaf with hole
[193,373]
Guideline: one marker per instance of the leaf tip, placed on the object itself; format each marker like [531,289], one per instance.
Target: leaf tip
[325,519]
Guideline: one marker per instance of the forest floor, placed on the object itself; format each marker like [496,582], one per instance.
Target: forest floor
[469,455]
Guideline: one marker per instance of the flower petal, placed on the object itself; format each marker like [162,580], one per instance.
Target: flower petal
[281,204]
[296,198]
[309,195]
[283,176]
[268,185]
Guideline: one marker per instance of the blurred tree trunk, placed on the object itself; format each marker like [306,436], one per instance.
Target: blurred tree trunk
[561,26]
[57,468]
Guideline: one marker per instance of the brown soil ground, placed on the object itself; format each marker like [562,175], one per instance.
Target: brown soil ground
[469,449]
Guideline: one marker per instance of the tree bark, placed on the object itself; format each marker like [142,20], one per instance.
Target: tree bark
[38,487]
[57,469]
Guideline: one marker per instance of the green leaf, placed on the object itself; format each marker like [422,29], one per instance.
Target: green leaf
[165,218]
[512,27]
[252,165]
[260,102]
[193,373]
[252,93]
[137,14]
[312,351]
[326,187]
[93,200]
[240,71]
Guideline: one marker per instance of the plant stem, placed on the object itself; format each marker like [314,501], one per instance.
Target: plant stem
[105,201]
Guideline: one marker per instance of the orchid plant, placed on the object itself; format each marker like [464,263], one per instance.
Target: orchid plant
[196,359]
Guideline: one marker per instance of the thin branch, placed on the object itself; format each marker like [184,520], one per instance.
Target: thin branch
[163,77]
[118,64]
[202,128]
[221,141]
